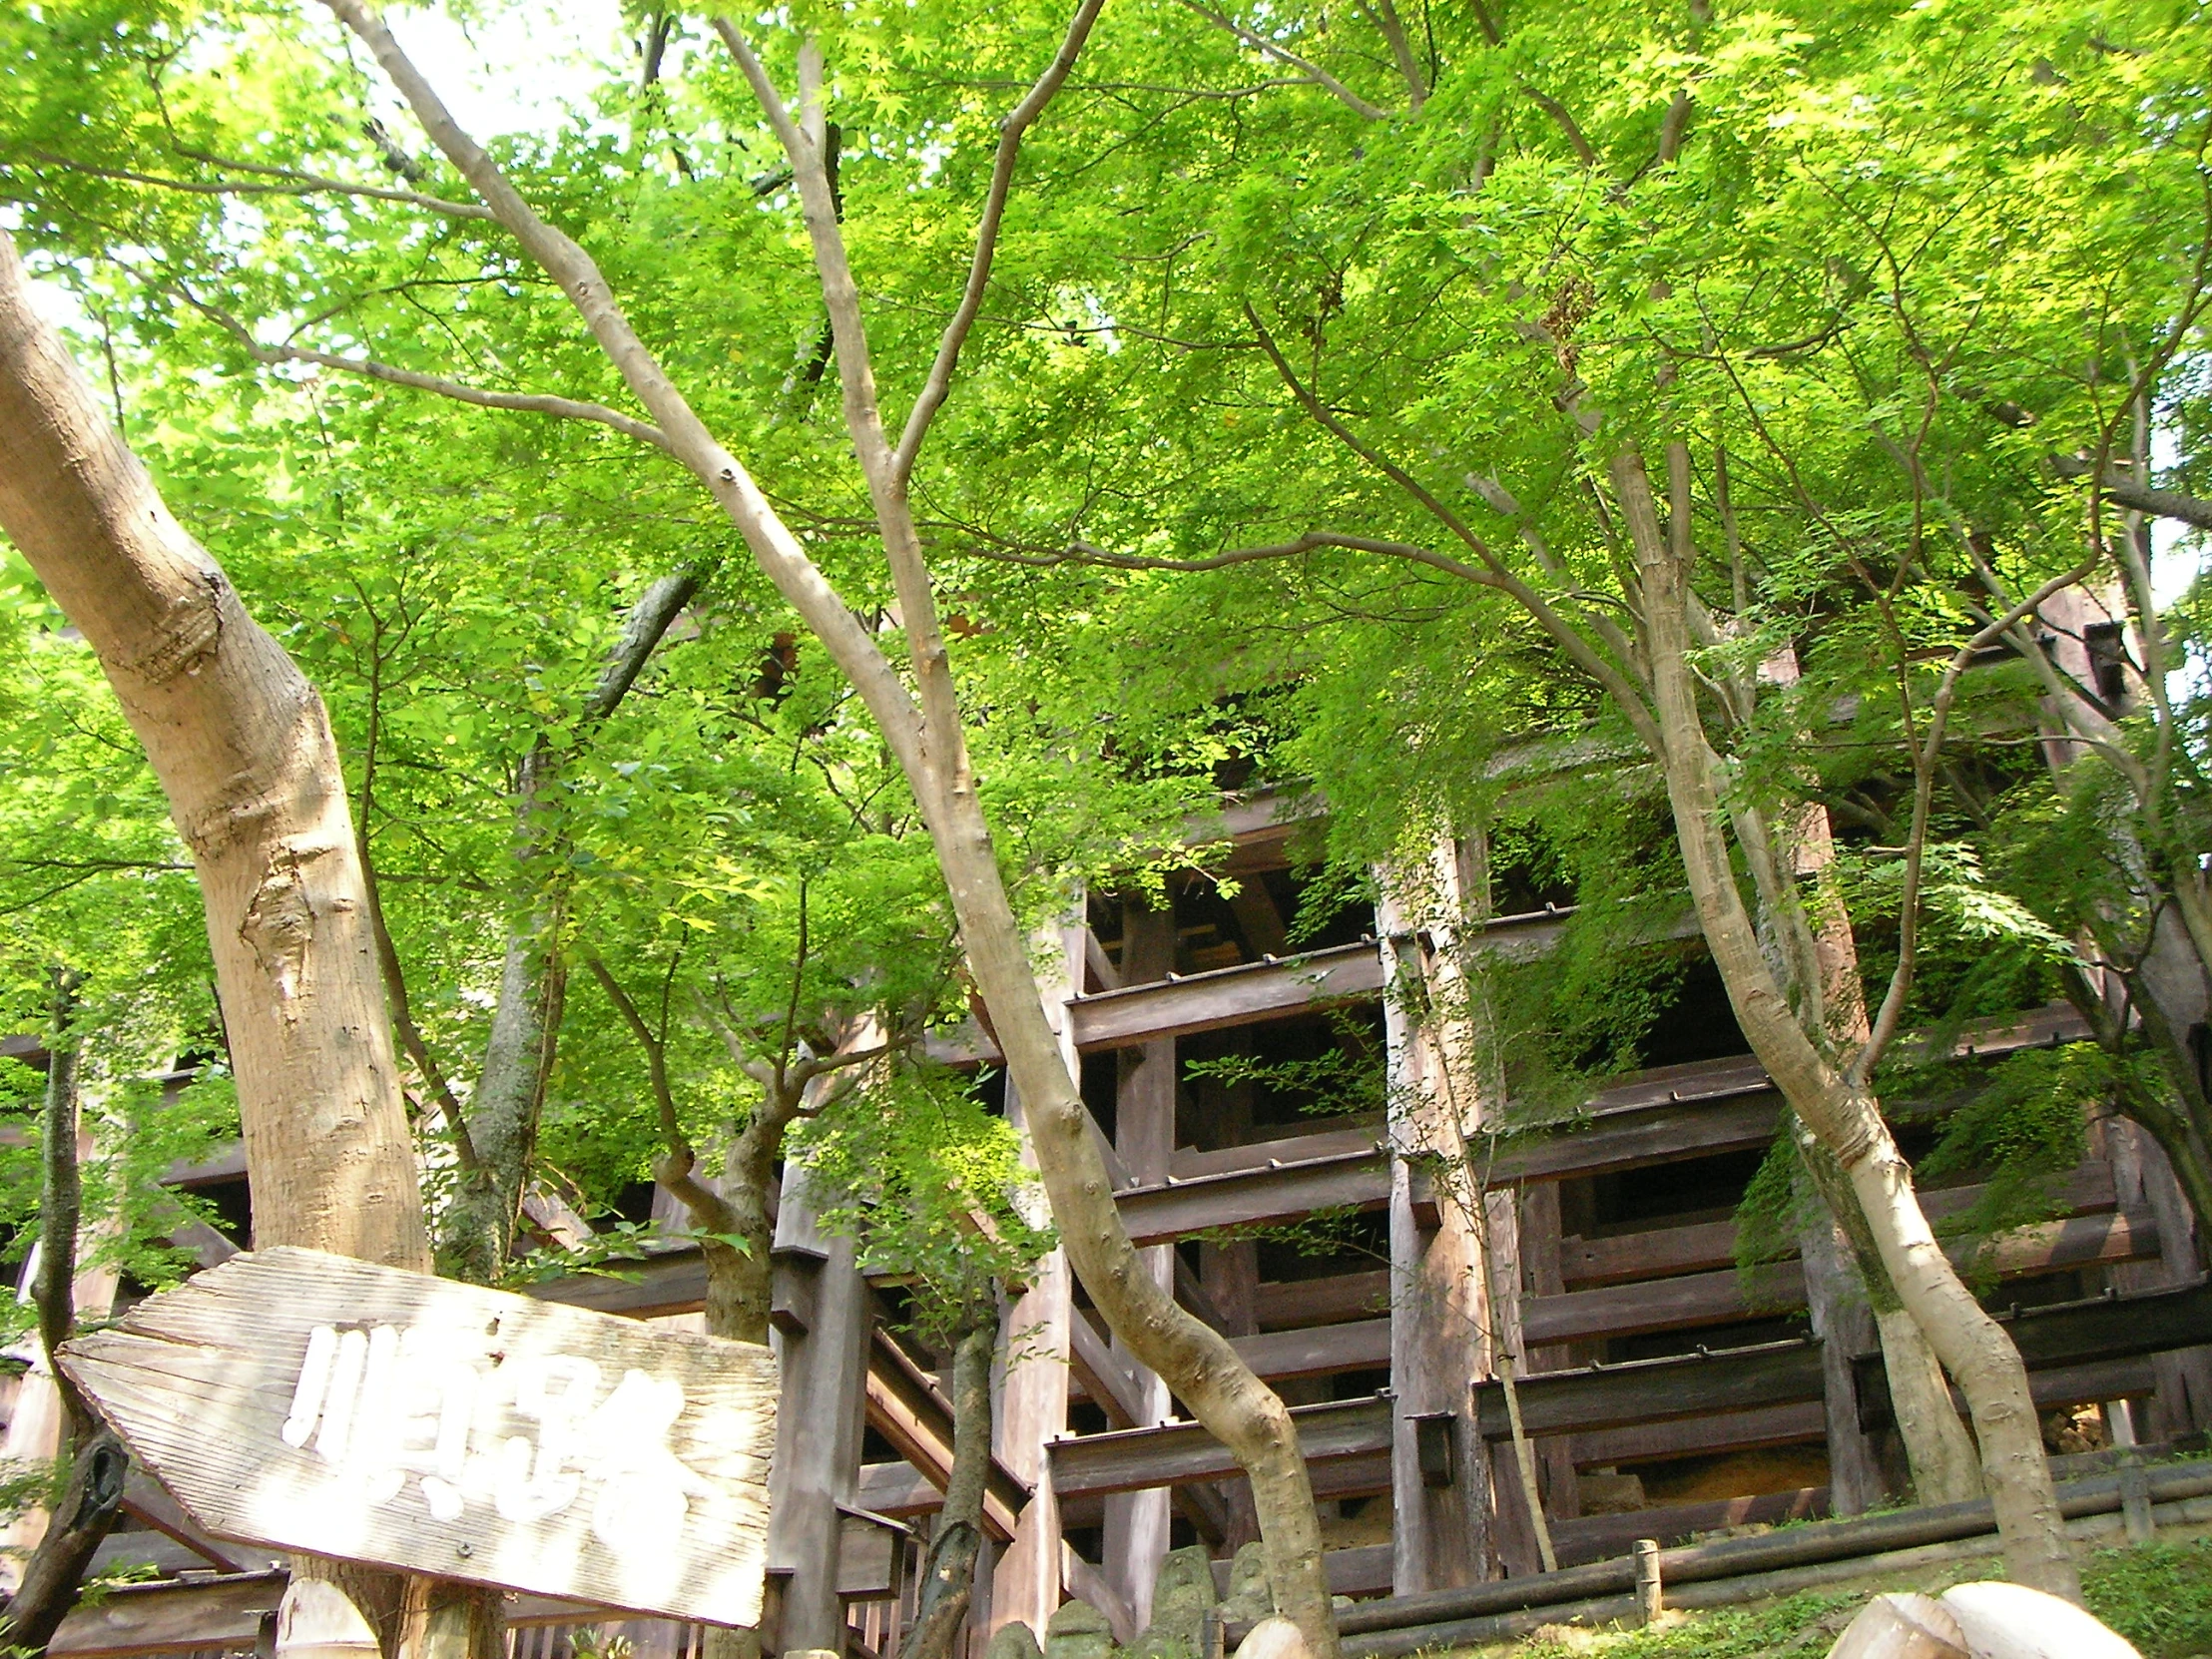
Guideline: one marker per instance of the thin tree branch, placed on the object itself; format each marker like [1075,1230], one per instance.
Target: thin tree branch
[939,384]
[2125,490]
[1892,1013]
[1083,553]
[655,1061]
[294,183]
[1613,678]
[61,1193]
[1318,76]
[1566,124]
[561,409]
[1402,52]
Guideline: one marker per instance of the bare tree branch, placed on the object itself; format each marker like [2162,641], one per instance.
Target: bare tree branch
[1566,124]
[545,404]
[1282,54]
[285,181]
[939,384]
[1930,748]
[2127,490]
[1616,678]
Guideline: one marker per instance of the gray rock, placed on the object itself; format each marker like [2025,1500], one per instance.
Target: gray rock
[1013,1641]
[1078,1631]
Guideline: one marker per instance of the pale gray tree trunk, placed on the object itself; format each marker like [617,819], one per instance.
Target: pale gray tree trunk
[1840,1110]
[242,748]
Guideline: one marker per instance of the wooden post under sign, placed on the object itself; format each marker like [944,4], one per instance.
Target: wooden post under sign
[318,1403]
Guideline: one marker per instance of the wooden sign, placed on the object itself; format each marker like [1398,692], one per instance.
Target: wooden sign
[320,1403]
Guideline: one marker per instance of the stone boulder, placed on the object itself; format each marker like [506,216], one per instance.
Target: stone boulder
[1078,1631]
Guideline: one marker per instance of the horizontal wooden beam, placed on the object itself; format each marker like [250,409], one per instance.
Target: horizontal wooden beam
[1601,1537]
[1132,1460]
[1659,1252]
[1691,1299]
[1287,1192]
[220,1614]
[1648,1443]
[1332,1300]
[1653,1391]
[1250,993]
[1324,1351]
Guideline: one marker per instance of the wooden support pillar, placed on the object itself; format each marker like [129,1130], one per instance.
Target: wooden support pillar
[1536,1207]
[1835,1293]
[1439,1321]
[2143,1179]
[1031,1379]
[1144,1135]
[817,1449]
[1845,1324]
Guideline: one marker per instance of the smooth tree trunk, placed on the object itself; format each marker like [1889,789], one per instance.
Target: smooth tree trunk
[926,735]
[503,1111]
[243,749]
[948,1572]
[241,745]
[1946,1468]
[1841,1111]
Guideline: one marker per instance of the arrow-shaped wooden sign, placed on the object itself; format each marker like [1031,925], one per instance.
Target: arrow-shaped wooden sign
[323,1404]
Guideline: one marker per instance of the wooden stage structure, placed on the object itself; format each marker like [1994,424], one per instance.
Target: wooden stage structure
[1666,1394]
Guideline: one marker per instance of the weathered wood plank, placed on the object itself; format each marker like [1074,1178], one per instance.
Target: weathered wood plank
[1324,1351]
[1717,1431]
[1290,1191]
[1333,1301]
[1652,1391]
[329,1406]
[216,1614]
[1130,1459]
[1247,995]
[1692,1299]
[1601,1537]
[1657,1252]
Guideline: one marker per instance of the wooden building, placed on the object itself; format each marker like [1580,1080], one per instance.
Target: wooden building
[1660,1399]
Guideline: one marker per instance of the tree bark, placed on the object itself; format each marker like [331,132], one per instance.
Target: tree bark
[241,745]
[949,1572]
[1841,1112]
[53,1578]
[243,749]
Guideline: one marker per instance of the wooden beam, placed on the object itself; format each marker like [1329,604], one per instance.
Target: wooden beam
[1131,1459]
[1363,1134]
[2077,1334]
[1288,1191]
[1653,1391]
[147,1500]
[1108,1380]
[1086,1583]
[1341,1297]
[1324,1351]
[1660,1252]
[1099,966]
[1247,995]
[217,1615]
[1692,1299]
[672,1281]
[1763,1425]
[904,1406]
[1601,1537]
